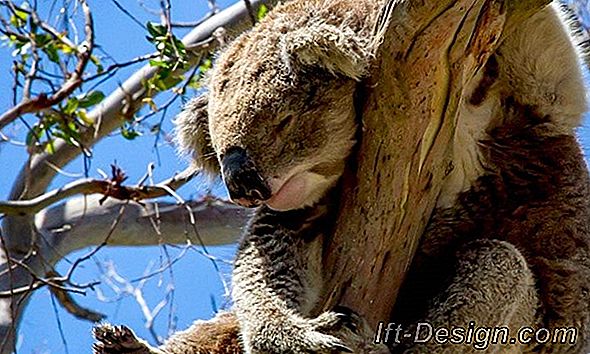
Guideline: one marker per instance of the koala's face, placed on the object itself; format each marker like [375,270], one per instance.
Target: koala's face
[280,144]
[281,119]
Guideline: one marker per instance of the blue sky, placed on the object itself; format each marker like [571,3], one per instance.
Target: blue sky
[197,284]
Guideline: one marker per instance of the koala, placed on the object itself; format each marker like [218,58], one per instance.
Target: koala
[508,243]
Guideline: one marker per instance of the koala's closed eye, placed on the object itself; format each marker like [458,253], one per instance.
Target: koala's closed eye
[285,123]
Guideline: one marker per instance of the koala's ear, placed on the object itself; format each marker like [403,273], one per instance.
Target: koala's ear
[336,49]
[192,135]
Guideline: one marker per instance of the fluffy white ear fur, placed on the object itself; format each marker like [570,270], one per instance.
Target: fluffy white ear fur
[339,50]
[192,136]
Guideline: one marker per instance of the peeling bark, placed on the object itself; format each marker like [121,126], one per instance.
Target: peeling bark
[430,52]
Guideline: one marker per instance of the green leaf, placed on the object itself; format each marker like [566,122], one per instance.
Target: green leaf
[169,82]
[49,147]
[162,74]
[206,65]
[42,39]
[82,114]
[19,19]
[129,132]
[262,11]
[71,105]
[72,127]
[159,63]
[52,53]
[97,63]
[66,49]
[195,83]
[33,25]
[156,30]
[91,98]
[34,134]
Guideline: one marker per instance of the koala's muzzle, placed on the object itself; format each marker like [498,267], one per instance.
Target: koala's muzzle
[245,185]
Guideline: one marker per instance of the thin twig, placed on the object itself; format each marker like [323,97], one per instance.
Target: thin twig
[128,14]
[59,325]
[70,305]
[117,66]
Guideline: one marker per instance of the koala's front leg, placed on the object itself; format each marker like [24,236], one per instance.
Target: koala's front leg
[276,280]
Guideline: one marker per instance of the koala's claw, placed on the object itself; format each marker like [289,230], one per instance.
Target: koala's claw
[118,339]
[350,319]
[329,320]
[343,348]
[355,330]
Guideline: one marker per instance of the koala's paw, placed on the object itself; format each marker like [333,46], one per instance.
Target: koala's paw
[320,334]
[119,339]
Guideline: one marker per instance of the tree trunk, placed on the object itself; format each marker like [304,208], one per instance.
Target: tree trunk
[430,52]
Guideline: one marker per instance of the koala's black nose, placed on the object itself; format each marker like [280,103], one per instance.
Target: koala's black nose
[244,183]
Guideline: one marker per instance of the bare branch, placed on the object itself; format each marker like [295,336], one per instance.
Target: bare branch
[67,302]
[78,222]
[57,281]
[127,13]
[108,188]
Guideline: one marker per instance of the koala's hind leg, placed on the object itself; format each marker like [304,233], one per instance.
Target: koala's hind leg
[475,298]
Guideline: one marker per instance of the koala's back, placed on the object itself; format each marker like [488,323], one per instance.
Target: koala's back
[519,177]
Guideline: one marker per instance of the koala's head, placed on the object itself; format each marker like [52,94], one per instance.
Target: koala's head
[278,121]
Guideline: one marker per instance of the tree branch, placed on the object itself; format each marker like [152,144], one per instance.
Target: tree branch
[79,223]
[43,100]
[113,111]
[67,302]
[109,188]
